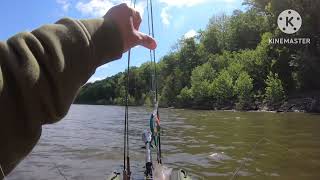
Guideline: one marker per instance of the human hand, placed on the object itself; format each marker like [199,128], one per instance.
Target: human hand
[128,21]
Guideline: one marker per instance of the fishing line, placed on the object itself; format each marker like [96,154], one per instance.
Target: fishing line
[154,53]
[55,166]
[126,159]
[154,78]
[4,176]
[156,85]
[243,162]
[150,51]
[59,171]
[283,147]
[251,152]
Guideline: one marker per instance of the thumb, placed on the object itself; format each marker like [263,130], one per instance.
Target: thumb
[146,41]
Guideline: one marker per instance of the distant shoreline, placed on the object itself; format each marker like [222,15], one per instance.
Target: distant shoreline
[300,105]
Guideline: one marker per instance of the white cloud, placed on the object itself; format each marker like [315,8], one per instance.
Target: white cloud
[98,8]
[182,3]
[65,4]
[169,4]
[230,1]
[165,16]
[94,79]
[190,34]
[94,7]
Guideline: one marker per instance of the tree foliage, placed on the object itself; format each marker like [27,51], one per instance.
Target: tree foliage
[230,63]
[274,90]
[243,89]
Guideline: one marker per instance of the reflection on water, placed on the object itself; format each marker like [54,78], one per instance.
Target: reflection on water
[87,144]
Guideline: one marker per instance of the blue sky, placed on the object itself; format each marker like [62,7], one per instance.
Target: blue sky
[174,19]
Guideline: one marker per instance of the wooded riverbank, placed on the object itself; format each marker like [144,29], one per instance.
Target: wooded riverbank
[229,65]
[297,104]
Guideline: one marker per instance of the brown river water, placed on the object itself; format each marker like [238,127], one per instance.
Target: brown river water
[88,144]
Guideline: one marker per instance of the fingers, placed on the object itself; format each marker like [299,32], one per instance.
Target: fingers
[136,19]
[146,41]
[139,37]
[123,10]
[132,28]
[128,21]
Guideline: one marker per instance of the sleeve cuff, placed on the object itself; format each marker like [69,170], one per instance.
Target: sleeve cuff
[106,40]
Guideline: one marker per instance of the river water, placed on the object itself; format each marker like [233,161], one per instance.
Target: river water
[88,144]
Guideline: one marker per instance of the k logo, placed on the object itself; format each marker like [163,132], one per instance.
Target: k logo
[289,21]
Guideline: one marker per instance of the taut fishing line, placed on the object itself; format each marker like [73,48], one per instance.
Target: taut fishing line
[253,149]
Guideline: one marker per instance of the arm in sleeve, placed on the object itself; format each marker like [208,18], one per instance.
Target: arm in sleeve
[40,75]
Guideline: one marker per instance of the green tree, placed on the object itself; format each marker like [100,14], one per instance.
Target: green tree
[222,88]
[274,90]
[201,78]
[213,38]
[245,30]
[229,62]
[243,89]
[185,98]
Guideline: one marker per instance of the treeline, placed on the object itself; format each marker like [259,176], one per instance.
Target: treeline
[229,64]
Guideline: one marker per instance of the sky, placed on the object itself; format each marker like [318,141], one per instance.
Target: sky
[173,20]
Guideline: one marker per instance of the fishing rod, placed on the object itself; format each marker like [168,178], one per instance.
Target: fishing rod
[156,102]
[154,76]
[154,135]
[126,155]
[126,158]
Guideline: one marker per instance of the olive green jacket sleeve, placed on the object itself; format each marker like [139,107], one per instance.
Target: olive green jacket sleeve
[40,74]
